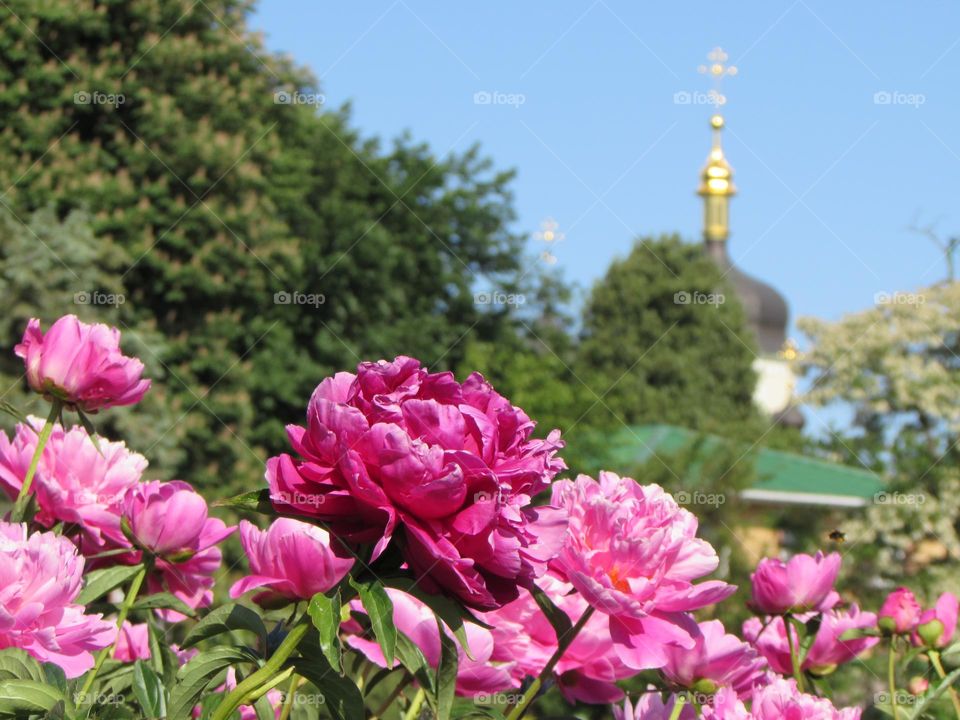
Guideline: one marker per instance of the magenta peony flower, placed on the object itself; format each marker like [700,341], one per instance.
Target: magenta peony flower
[588,670]
[292,559]
[75,483]
[632,553]
[827,651]
[718,660]
[477,676]
[81,365]
[651,707]
[802,584]
[169,520]
[780,700]
[133,642]
[899,613]
[453,465]
[935,627]
[40,576]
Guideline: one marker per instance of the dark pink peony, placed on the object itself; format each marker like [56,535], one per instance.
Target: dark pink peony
[633,554]
[81,365]
[40,577]
[450,468]
[169,520]
[899,613]
[290,560]
[75,483]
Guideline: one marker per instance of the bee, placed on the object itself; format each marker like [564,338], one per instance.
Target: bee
[837,536]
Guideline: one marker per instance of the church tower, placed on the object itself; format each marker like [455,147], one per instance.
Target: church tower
[765,308]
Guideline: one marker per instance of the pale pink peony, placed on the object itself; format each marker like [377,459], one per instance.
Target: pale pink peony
[75,483]
[590,667]
[477,676]
[452,464]
[169,520]
[632,553]
[802,584]
[828,649]
[718,660]
[936,626]
[650,706]
[291,560]
[81,365]
[899,613]
[780,700]
[40,576]
[133,642]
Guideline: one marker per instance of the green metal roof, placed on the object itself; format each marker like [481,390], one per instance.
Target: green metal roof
[783,477]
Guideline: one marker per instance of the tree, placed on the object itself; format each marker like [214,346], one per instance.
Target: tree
[664,341]
[266,242]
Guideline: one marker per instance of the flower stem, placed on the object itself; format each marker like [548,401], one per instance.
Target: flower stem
[414,710]
[394,694]
[288,700]
[271,667]
[128,602]
[562,645]
[678,704]
[935,659]
[794,659]
[892,679]
[20,506]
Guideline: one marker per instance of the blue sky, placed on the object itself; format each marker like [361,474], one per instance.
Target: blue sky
[830,179]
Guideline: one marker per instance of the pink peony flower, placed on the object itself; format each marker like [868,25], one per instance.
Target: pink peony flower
[650,706]
[40,577]
[718,660]
[935,627]
[133,643]
[899,613]
[452,464]
[780,700]
[477,676]
[75,483]
[588,670]
[292,559]
[169,520]
[81,365]
[827,650]
[632,553]
[802,584]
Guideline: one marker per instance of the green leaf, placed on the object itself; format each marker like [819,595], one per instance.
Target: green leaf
[16,664]
[224,619]
[379,609]
[254,501]
[411,657]
[54,676]
[100,582]
[23,697]
[15,413]
[165,601]
[341,696]
[325,613]
[149,691]
[446,675]
[208,669]
[558,619]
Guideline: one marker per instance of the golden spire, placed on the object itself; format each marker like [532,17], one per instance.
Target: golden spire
[716,186]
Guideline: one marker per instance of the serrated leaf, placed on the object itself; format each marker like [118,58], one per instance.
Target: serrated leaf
[325,613]
[23,697]
[149,691]
[100,582]
[379,609]
[225,619]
